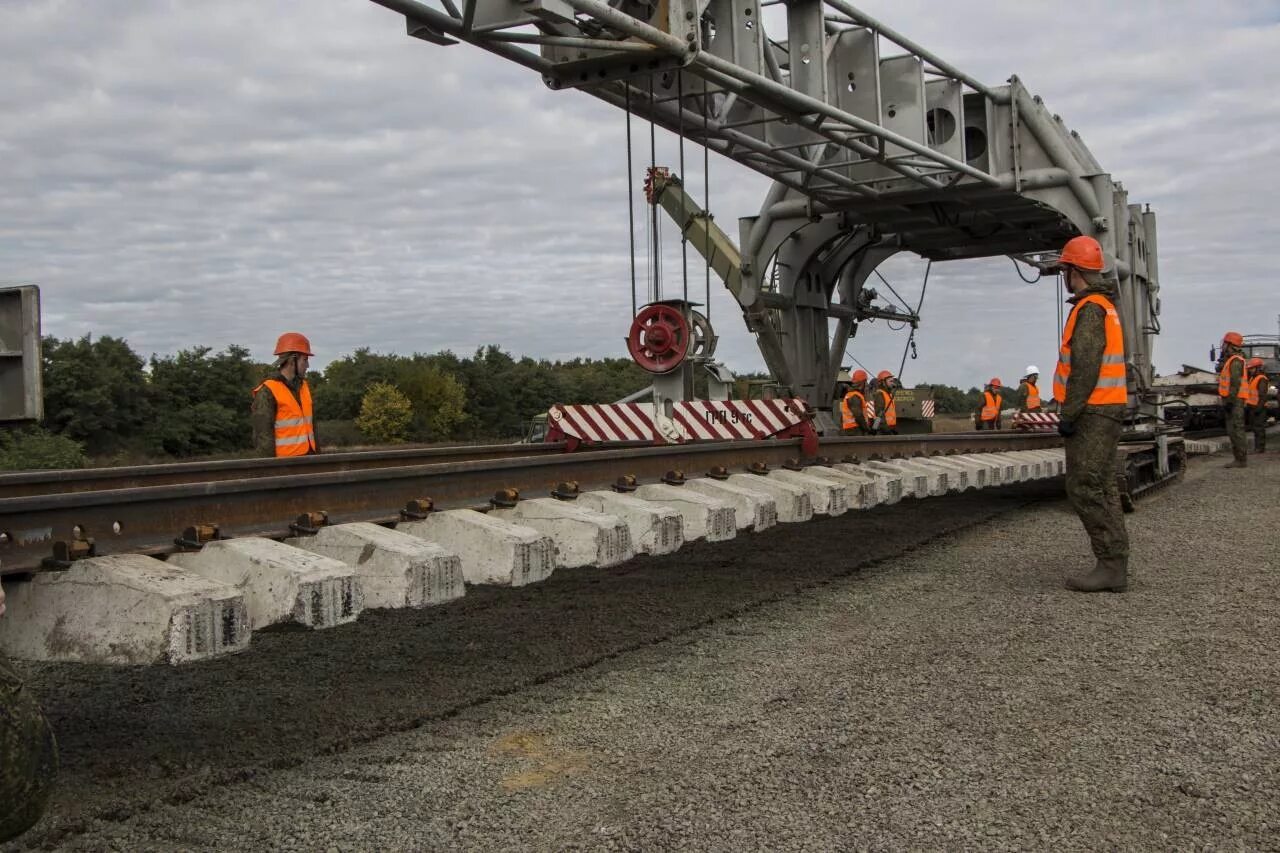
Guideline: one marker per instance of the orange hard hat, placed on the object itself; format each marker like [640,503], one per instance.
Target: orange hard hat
[1083,252]
[883,375]
[293,342]
[858,377]
[1233,338]
[1253,362]
[995,381]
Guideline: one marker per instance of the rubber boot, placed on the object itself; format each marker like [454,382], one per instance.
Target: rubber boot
[1108,576]
[1236,464]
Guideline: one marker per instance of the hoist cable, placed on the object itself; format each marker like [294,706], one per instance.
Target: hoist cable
[1019,271]
[706,188]
[631,204]
[653,165]
[902,365]
[902,301]
[684,238]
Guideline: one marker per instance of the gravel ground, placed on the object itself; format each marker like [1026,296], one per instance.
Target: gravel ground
[913,676]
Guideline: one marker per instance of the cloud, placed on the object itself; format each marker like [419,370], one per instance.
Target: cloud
[185,178]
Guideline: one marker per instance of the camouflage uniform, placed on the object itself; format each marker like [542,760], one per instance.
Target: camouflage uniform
[1258,415]
[978,422]
[28,756]
[859,415]
[1235,413]
[264,414]
[1091,450]
[1020,396]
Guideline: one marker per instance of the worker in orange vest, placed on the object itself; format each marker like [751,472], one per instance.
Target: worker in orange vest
[988,414]
[887,421]
[282,417]
[1233,391]
[1091,389]
[1259,387]
[1027,397]
[856,412]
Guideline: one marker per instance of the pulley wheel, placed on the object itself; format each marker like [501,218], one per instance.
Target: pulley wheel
[659,338]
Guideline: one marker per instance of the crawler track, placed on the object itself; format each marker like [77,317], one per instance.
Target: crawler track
[142,510]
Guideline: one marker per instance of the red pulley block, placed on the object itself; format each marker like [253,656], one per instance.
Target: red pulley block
[659,338]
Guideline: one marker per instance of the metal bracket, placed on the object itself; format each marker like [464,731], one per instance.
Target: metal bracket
[417,509]
[505,498]
[309,523]
[65,553]
[565,491]
[193,538]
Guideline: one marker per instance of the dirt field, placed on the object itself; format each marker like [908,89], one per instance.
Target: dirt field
[912,676]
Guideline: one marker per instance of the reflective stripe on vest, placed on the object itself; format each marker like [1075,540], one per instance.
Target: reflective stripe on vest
[890,409]
[295,434]
[1033,397]
[847,420]
[1224,379]
[1111,388]
[1257,386]
[991,405]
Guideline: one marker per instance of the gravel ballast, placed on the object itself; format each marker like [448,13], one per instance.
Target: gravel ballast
[910,676]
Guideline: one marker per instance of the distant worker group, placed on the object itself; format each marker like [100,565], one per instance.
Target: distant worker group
[868,410]
[1026,398]
[1242,388]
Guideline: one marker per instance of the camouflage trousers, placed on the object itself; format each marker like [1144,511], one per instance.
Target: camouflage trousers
[1235,429]
[1258,423]
[28,756]
[1091,484]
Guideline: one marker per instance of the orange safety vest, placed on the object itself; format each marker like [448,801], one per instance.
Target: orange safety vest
[1112,387]
[1256,392]
[295,435]
[990,406]
[890,409]
[1224,379]
[1033,398]
[847,420]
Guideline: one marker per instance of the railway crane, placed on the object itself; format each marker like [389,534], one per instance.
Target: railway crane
[869,154]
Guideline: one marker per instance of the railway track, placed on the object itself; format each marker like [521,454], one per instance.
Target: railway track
[47,518]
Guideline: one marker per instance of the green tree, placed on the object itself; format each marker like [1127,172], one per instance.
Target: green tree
[35,448]
[385,414]
[438,399]
[951,400]
[201,400]
[95,392]
[339,394]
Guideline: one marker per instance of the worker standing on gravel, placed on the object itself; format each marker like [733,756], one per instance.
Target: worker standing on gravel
[28,753]
[988,414]
[282,418]
[887,421]
[855,412]
[1089,385]
[1027,397]
[1233,390]
[1259,385]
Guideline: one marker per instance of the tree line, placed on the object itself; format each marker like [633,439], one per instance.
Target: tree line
[105,402]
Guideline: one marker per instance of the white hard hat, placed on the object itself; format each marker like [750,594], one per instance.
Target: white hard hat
[1031,368]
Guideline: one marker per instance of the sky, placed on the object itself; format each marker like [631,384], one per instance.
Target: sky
[182,179]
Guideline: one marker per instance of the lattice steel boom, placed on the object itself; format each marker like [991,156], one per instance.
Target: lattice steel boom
[870,155]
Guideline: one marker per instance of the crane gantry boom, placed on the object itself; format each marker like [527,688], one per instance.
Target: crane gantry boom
[870,154]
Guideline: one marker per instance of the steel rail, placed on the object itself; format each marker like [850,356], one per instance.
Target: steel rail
[148,519]
[29,483]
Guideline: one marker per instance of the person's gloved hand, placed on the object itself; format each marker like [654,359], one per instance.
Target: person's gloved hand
[1066,428]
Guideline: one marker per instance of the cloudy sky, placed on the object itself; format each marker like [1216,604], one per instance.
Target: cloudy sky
[179,178]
